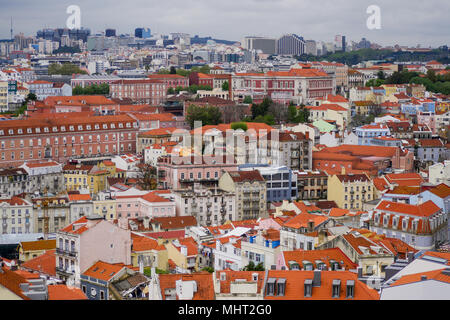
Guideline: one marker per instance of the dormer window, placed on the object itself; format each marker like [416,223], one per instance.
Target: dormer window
[308,288]
[336,290]
[19,131]
[11,131]
[281,287]
[80,127]
[270,291]
[120,125]
[38,130]
[105,126]
[128,125]
[46,129]
[71,128]
[88,127]
[63,128]
[113,126]
[350,294]
[97,126]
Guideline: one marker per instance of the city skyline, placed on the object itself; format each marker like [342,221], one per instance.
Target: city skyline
[404,23]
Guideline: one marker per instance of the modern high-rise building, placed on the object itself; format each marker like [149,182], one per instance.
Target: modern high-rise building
[340,43]
[291,44]
[364,44]
[110,32]
[266,45]
[143,33]
[57,34]
[311,47]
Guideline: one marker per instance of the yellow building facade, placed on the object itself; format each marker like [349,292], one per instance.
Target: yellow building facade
[350,191]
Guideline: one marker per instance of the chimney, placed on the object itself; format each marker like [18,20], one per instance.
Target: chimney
[343,170]
[141,267]
[317,278]
[360,274]
[310,226]
[410,256]
[146,222]
[93,220]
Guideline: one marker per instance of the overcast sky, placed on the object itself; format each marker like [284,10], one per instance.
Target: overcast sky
[404,22]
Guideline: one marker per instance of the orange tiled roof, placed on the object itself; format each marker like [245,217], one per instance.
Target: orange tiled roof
[295,285]
[205,285]
[172,223]
[103,270]
[141,243]
[38,245]
[442,191]
[337,212]
[437,275]
[301,220]
[79,197]
[324,256]
[12,281]
[64,292]
[233,276]
[45,263]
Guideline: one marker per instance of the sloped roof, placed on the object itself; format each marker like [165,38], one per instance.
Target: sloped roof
[45,263]
[64,292]
[38,245]
[205,285]
[295,288]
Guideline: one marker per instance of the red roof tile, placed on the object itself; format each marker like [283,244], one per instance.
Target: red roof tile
[64,292]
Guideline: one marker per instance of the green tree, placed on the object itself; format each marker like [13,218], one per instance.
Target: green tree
[247,100]
[225,86]
[252,267]
[262,108]
[173,70]
[292,113]
[431,75]
[381,75]
[64,69]
[208,115]
[31,96]
[94,89]
[208,269]
[374,83]
[170,91]
[239,125]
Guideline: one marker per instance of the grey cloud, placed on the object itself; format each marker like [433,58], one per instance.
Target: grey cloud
[403,22]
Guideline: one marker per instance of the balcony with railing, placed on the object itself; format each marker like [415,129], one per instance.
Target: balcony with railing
[71,253]
[65,270]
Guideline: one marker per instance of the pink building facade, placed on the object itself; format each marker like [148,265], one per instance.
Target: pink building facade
[173,175]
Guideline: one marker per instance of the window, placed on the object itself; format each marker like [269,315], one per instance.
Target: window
[336,288]
[102,295]
[308,288]
[271,287]
[350,288]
